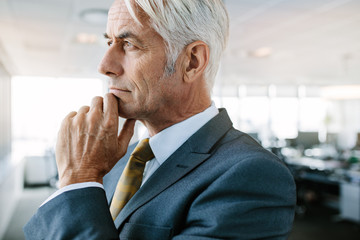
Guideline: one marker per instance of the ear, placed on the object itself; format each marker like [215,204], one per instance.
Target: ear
[196,60]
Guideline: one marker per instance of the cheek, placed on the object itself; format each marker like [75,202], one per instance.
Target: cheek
[148,75]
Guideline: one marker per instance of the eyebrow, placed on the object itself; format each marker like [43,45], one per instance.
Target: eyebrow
[124,35]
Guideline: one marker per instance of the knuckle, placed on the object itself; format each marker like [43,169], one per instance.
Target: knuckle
[78,119]
[84,109]
[108,95]
[109,123]
[70,115]
[67,120]
[97,99]
[93,122]
[93,127]
[94,117]
[76,122]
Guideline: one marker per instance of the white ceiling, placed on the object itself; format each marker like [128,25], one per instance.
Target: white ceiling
[39,37]
[311,42]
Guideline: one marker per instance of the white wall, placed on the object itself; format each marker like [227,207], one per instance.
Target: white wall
[10,174]
[11,186]
[5,113]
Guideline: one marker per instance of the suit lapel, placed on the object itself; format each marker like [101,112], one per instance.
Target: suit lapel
[190,155]
[173,169]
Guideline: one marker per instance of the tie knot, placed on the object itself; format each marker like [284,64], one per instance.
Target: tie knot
[143,151]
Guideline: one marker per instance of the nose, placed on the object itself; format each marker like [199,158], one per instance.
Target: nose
[111,64]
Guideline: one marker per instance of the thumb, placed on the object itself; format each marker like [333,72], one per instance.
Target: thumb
[125,136]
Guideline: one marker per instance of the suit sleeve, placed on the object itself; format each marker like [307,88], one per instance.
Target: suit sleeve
[76,214]
[255,199]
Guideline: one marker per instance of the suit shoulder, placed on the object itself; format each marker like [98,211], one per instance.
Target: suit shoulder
[239,149]
[236,143]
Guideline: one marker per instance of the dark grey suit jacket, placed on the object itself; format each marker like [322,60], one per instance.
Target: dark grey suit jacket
[220,184]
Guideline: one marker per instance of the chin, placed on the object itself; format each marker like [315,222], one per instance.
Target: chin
[124,114]
[127,113]
[124,109]
[132,111]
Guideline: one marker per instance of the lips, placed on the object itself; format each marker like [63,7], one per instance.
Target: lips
[118,91]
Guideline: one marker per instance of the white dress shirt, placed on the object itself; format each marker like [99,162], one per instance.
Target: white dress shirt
[163,145]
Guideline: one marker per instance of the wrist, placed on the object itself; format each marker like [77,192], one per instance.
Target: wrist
[68,179]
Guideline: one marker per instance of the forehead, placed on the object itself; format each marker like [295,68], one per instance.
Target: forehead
[118,10]
[119,18]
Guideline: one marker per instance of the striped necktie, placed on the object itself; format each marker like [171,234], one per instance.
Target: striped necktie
[131,178]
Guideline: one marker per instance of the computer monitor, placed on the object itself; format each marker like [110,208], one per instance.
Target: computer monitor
[357,145]
[331,138]
[307,139]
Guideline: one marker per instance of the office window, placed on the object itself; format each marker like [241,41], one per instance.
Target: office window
[233,106]
[254,114]
[284,117]
[40,104]
[312,114]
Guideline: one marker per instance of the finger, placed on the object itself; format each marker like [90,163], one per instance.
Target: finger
[68,118]
[71,115]
[110,105]
[83,110]
[65,125]
[126,134]
[96,104]
[78,120]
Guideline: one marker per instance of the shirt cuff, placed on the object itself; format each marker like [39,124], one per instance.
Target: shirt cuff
[72,187]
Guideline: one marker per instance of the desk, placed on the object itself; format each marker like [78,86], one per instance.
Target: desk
[328,176]
[350,201]
[314,163]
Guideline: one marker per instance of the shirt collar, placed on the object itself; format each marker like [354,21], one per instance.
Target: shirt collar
[166,142]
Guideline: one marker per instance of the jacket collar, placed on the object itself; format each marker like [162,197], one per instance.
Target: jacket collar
[190,155]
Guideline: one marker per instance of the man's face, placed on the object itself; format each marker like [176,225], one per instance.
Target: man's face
[135,63]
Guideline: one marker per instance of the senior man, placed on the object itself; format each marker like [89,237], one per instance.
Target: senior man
[194,176]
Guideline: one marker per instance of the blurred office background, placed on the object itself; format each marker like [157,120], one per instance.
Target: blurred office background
[290,77]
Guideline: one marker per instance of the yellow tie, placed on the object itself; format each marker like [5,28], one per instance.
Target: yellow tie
[131,178]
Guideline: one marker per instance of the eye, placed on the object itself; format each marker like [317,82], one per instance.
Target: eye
[128,45]
[109,43]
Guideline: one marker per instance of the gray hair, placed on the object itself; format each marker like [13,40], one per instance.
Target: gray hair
[181,22]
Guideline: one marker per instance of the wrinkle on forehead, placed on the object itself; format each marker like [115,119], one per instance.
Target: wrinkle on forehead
[119,7]
[118,18]
[119,10]
[120,21]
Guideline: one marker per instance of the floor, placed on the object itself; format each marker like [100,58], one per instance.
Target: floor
[322,223]
[319,223]
[30,201]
